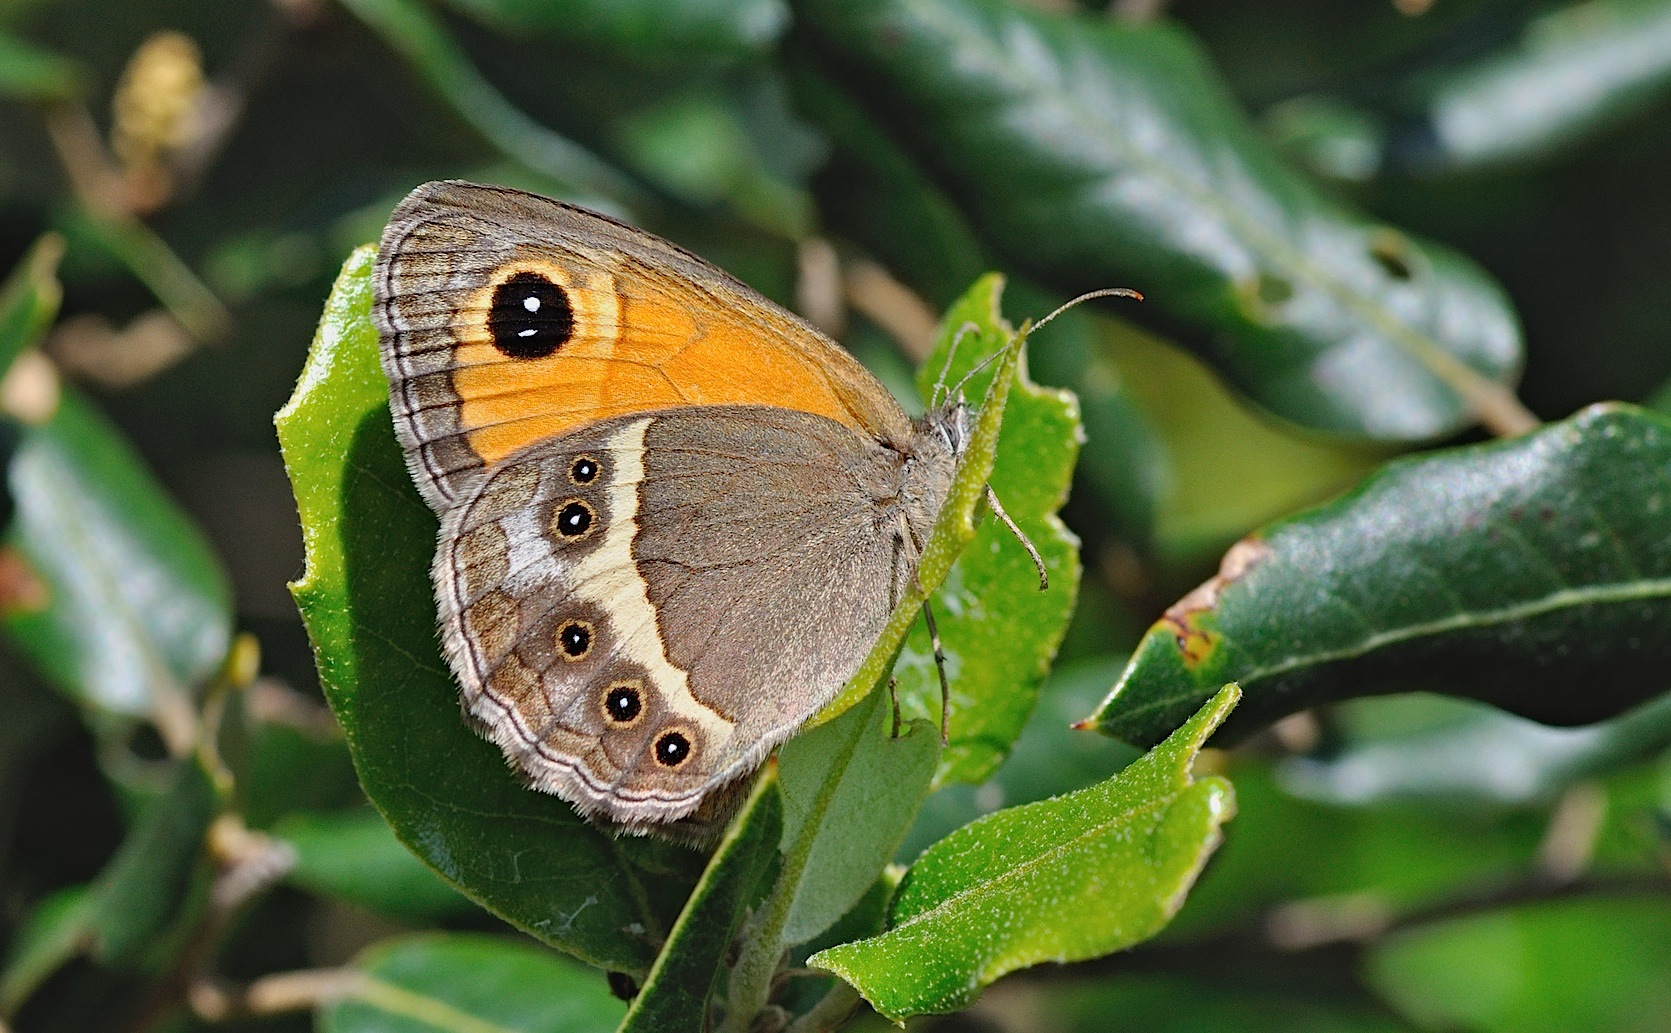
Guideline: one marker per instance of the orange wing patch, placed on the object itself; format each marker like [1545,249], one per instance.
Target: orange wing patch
[671,345]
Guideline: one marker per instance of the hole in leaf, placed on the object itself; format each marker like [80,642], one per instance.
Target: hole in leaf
[1392,253]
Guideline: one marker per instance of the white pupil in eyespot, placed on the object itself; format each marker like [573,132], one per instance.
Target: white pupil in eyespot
[531,303]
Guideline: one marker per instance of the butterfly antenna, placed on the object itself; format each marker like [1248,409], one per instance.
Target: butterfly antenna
[1026,543]
[968,327]
[1106,292]
[940,667]
[957,389]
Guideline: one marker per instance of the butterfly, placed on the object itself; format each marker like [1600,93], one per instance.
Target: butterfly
[674,517]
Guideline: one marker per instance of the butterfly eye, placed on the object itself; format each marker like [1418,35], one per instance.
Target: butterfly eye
[623,703]
[672,749]
[584,470]
[575,640]
[574,519]
[531,317]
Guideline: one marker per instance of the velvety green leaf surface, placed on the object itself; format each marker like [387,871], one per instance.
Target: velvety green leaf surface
[1566,75]
[999,630]
[353,856]
[655,30]
[1534,574]
[458,983]
[368,606]
[676,993]
[850,789]
[30,296]
[135,610]
[1064,879]
[1050,758]
[1098,153]
[1480,756]
[1550,967]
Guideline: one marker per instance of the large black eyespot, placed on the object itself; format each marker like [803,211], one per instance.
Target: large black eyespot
[575,638]
[574,519]
[623,703]
[583,470]
[531,317]
[672,749]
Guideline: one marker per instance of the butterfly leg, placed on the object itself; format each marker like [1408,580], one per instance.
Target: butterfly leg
[893,697]
[1026,543]
[940,668]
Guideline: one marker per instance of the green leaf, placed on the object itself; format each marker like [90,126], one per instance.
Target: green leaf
[366,600]
[1479,756]
[134,609]
[352,855]
[999,630]
[1548,967]
[1565,76]
[28,72]
[1220,999]
[54,931]
[1064,879]
[1533,574]
[30,296]
[142,892]
[419,36]
[461,983]
[675,995]
[1050,757]
[1094,153]
[658,31]
[850,790]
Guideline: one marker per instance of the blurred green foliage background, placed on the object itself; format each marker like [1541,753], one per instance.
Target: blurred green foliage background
[203,169]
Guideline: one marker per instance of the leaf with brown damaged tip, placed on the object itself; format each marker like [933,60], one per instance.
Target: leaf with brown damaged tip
[1510,572]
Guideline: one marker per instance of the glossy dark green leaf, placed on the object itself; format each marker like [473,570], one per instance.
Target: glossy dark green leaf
[30,296]
[353,856]
[1066,879]
[415,32]
[134,610]
[1478,756]
[1602,963]
[458,983]
[873,192]
[1566,75]
[1098,153]
[367,603]
[676,994]
[1534,574]
[660,31]
[999,629]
